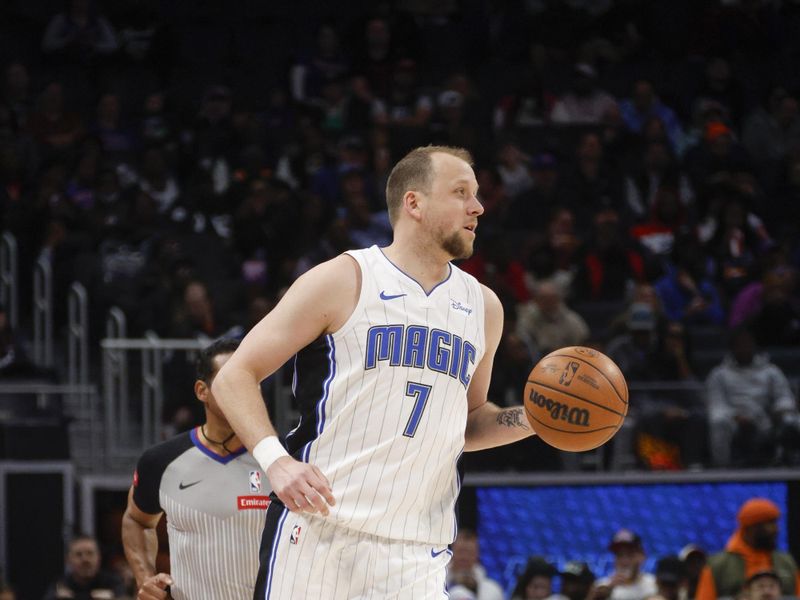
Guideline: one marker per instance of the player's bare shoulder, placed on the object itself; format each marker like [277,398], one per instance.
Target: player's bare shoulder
[336,284]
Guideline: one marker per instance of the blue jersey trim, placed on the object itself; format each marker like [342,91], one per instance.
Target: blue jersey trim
[223,460]
[449,273]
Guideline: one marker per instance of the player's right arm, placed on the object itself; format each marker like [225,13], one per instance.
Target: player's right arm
[141,547]
[319,302]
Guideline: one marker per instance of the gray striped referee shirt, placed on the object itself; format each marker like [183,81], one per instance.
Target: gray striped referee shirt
[215,507]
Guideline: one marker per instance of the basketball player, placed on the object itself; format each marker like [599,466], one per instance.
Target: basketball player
[394,349]
[214,496]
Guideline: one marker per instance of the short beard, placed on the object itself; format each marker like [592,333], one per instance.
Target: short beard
[764,541]
[455,246]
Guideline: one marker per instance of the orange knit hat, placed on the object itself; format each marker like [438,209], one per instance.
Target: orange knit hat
[757,510]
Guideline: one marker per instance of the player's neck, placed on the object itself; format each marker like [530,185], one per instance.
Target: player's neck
[426,265]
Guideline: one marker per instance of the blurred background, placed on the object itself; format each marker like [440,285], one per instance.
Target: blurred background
[168,168]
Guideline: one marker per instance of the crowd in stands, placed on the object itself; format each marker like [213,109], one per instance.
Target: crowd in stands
[639,165]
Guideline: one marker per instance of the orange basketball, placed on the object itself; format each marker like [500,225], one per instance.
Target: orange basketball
[576,398]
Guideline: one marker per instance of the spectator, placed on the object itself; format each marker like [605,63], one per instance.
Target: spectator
[694,559]
[407,109]
[628,580]
[751,407]
[51,125]
[717,153]
[671,579]
[609,266]
[195,316]
[315,68]
[83,579]
[686,290]
[577,580]
[658,170]
[737,239]
[465,565]
[773,130]
[117,141]
[586,102]
[547,323]
[593,184]
[536,581]
[79,34]
[763,585]
[645,104]
[752,548]
[514,169]
[16,92]
[776,322]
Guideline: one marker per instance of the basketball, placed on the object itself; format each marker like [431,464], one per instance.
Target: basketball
[576,398]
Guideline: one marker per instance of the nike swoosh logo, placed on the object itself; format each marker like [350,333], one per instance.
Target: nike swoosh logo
[182,486]
[434,554]
[385,296]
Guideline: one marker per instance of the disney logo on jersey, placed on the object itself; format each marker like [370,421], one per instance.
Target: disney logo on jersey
[459,307]
[255,482]
[420,347]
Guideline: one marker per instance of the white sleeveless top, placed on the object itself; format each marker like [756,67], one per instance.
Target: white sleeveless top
[383,401]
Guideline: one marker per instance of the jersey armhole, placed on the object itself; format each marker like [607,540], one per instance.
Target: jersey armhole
[358,259]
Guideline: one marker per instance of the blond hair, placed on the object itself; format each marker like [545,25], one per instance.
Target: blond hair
[415,172]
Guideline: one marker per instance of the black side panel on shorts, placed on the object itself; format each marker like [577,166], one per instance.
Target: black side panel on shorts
[274,518]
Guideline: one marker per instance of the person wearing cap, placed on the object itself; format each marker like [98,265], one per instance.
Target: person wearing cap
[576,580]
[628,581]
[763,585]
[751,549]
[466,571]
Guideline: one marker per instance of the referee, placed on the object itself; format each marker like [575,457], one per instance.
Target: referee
[214,495]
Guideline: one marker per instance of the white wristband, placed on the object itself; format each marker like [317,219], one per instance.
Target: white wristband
[267,451]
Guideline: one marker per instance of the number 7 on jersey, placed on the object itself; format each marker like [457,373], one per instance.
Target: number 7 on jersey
[420,392]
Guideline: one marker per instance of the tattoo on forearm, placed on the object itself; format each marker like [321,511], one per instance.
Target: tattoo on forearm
[513,417]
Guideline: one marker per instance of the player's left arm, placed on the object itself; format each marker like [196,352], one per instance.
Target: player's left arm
[488,425]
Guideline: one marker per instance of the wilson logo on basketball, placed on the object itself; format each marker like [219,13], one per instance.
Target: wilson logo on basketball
[559,411]
[568,373]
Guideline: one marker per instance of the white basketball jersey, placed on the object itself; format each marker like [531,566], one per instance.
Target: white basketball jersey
[383,401]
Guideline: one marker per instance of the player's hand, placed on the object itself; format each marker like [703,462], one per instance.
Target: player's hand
[155,588]
[300,486]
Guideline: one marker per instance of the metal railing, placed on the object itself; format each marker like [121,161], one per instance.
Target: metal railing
[9,282]
[135,421]
[43,312]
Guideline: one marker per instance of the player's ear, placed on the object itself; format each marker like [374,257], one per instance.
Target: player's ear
[201,390]
[411,204]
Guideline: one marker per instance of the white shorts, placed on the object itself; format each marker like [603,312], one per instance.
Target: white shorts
[310,557]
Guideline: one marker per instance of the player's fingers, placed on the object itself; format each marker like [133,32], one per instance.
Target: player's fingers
[317,501]
[303,504]
[323,487]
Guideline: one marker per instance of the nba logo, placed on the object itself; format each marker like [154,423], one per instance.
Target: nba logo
[295,537]
[568,373]
[255,482]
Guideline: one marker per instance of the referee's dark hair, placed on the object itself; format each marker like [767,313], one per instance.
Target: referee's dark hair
[204,367]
